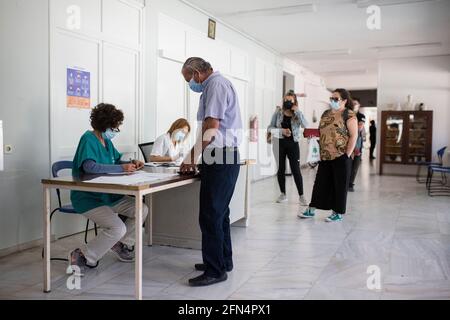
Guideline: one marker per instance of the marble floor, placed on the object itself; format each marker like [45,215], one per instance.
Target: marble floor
[391,225]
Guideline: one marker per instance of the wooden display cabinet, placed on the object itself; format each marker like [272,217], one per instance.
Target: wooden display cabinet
[406,137]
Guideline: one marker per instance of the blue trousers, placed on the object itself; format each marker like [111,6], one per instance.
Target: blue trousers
[218,181]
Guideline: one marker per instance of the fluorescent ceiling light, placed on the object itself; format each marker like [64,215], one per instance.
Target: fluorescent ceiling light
[408,46]
[337,52]
[366,3]
[277,11]
[345,72]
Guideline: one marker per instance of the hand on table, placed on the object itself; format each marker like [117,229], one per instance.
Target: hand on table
[188,167]
[139,164]
[129,167]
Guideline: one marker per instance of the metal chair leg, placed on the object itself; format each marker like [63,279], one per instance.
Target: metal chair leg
[86,231]
[53,212]
[428,179]
[429,182]
[418,174]
[42,254]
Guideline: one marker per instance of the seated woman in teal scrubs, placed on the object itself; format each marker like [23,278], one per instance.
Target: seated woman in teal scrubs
[96,155]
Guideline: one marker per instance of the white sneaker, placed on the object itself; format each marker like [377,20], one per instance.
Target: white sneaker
[282,198]
[303,201]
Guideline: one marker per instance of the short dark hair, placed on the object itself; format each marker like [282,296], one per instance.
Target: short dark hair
[106,116]
[361,117]
[345,95]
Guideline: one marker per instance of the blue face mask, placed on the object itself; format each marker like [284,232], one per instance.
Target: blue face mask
[109,134]
[196,87]
[334,105]
[179,136]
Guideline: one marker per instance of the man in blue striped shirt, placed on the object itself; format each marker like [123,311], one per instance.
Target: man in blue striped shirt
[221,125]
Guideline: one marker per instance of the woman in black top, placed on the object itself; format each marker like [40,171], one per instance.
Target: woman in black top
[285,131]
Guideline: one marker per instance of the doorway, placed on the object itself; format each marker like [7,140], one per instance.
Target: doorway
[288,82]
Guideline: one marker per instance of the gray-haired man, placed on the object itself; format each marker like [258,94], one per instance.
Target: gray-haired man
[220,116]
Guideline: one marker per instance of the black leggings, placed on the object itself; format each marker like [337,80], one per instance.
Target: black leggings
[356,163]
[331,185]
[372,148]
[290,149]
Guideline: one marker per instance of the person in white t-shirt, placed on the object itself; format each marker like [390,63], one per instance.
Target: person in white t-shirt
[170,147]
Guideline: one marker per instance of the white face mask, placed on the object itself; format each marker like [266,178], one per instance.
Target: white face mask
[335,105]
[179,136]
[109,134]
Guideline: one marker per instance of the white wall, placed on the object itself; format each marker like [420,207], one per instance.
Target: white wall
[352,81]
[316,101]
[35,118]
[24,87]
[427,79]
[111,31]
[176,31]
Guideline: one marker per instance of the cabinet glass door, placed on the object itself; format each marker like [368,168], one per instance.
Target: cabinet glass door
[394,139]
[417,148]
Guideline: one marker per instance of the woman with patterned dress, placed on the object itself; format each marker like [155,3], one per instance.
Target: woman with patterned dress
[338,134]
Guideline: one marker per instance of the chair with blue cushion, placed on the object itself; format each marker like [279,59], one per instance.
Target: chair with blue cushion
[68,208]
[441,188]
[420,164]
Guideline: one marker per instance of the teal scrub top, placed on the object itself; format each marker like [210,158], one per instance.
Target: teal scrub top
[90,148]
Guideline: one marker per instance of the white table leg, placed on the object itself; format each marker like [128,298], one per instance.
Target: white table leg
[149,220]
[47,231]
[247,195]
[138,246]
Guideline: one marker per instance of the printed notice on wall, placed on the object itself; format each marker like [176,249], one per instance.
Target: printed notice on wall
[78,88]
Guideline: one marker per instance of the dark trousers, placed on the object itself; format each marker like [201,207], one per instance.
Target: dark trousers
[290,149]
[217,187]
[372,148]
[356,163]
[331,185]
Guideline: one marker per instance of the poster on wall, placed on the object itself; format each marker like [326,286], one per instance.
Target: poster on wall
[78,88]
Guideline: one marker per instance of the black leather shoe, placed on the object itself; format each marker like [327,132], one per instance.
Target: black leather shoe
[202,267]
[205,280]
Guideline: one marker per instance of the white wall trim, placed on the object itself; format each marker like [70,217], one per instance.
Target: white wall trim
[132,3]
[218,20]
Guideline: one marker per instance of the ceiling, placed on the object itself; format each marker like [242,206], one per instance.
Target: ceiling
[331,36]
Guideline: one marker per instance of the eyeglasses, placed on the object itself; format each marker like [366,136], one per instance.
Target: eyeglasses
[335,99]
[117,130]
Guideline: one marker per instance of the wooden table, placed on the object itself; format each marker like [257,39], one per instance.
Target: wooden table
[138,191]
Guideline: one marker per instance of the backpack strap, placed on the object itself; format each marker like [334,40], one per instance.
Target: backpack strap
[345,116]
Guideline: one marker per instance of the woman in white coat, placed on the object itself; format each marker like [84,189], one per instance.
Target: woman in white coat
[170,147]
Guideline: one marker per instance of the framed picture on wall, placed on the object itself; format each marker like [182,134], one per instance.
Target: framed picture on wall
[211,29]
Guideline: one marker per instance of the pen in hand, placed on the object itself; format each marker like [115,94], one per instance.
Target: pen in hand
[129,167]
[137,164]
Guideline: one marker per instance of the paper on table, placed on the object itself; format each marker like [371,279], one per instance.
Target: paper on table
[134,178]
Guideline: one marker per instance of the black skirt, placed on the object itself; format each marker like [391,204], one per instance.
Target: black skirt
[331,185]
